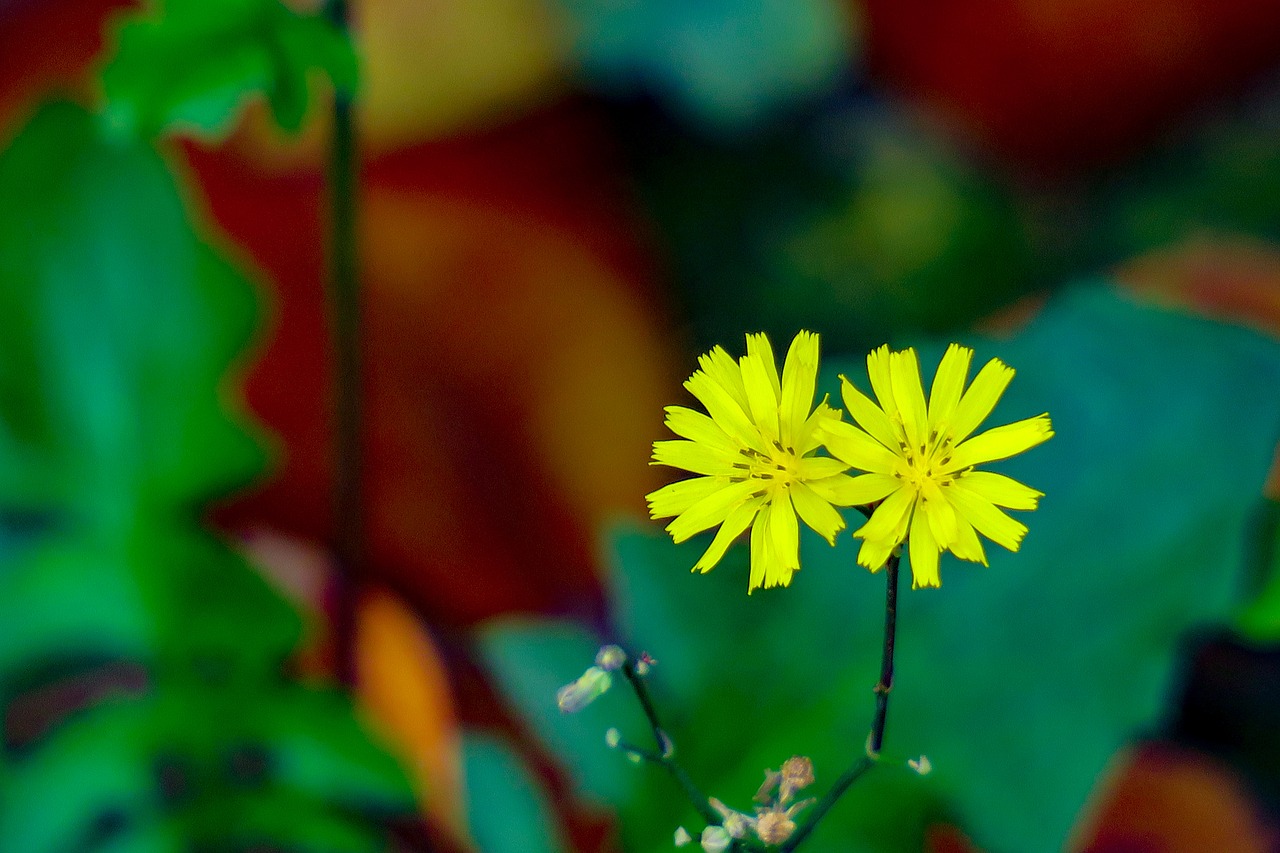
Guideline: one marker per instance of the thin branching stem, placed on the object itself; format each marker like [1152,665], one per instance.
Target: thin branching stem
[876,740]
[664,755]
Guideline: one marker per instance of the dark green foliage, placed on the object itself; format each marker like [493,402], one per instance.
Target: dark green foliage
[191,64]
[1020,681]
[143,664]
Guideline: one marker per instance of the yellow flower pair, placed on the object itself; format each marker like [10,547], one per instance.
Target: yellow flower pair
[756,453]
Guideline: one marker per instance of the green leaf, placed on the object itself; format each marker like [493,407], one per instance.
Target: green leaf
[317,747]
[118,326]
[65,599]
[507,810]
[94,772]
[1019,681]
[191,65]
[531,661]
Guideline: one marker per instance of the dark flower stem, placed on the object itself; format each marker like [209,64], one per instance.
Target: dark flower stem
[876,740]
[344,304]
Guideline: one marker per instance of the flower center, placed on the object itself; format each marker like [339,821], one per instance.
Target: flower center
[780,468]
[925,468]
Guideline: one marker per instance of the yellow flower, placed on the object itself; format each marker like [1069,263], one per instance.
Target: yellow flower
[920,460]
[755,454]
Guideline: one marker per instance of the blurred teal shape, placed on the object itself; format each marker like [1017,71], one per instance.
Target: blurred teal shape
[1019,681]
[191,65]
[726,64]
[144,666]
[531,660]
[507,809]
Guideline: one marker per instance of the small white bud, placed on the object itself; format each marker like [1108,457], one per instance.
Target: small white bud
[581,693]
[610,658]
[682,836]
[642,668]
[613,737]
[716,839]
[635,757]
[922,765]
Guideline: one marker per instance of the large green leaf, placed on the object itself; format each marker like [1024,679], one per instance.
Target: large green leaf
[1019,681]
[118,325]
[191,65]
[507,809]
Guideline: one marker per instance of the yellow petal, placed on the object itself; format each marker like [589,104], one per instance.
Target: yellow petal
[874,553]
[1001,442]
[799,379]
[698,458]
[737,521]
[982,514]
[948,382]
[675,498]
[819,468]
[923,551]
[881,381]
[1001,490]
[909,394]
[758,345]
[980,399]
[889,521]
[809,436]
[722,369]
[761,554]
[942,521]
[725,410]
[967,545]
[817,512]
[711,510]
[853,446]
[698,427]
[869,416]
[784,531]
[760,396]
[843,490]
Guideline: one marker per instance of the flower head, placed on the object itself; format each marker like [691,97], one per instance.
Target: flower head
[755,454]
[920,458]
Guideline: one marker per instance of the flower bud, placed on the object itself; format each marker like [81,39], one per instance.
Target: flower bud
[610,658]
[921,765]
[612,738]
[682,836]
[774,827]
[715,839]
[581,693]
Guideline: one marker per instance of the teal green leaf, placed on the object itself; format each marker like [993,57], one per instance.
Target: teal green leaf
[1019,681]
[726,64]
[531,661]
[507,809]
[119,326]
[191,65]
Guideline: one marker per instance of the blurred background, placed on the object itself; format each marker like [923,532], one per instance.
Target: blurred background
[560,204]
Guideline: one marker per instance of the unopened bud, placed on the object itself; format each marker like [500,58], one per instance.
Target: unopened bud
[610,658]
[715,839]
[642,668]
[682,836]
[734,822]
[921,765]
[581,693]
[774,827]
[612,738]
